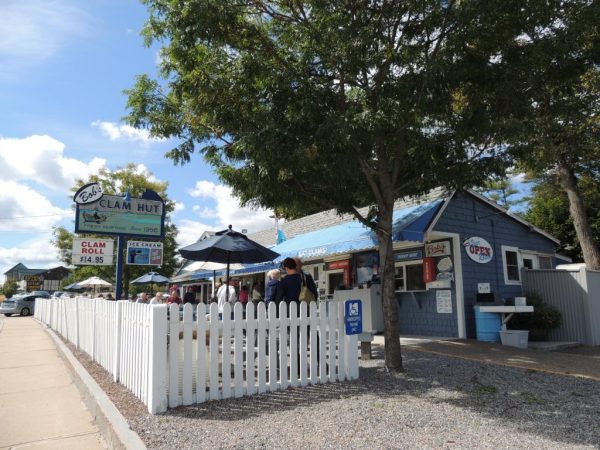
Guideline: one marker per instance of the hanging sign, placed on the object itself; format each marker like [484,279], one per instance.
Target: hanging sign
[408,255]
[144,253]
[478,249]
[92,252]
[112,214]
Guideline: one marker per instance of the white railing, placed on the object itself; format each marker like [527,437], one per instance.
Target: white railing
[196,356]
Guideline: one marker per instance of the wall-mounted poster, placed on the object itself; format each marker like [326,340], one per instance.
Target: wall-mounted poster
[443,300]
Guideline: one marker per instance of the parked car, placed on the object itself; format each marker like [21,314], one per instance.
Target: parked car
[60,294]
[23,304]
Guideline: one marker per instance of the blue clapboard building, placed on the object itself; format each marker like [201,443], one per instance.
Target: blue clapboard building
[451,251]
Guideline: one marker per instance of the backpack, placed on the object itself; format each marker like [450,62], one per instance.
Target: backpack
[305,294]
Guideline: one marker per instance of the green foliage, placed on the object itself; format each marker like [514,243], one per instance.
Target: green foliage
[503,192]
[303,105]
[544,317]
[128,179]
[549,210]
[9,288]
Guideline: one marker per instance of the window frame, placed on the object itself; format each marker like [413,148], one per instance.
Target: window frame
[403,264]
[505,249]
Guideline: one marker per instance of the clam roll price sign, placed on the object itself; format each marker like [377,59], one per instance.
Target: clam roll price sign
[144,253]
[92,252]
[124,216]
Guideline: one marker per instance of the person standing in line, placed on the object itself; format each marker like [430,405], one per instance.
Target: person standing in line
[307,278]
[226,294]
[244,296]
[190,296]
[273,289]
[292,282]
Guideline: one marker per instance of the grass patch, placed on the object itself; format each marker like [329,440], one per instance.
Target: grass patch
[486,389]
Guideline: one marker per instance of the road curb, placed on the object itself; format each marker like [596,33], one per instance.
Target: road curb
[110,421]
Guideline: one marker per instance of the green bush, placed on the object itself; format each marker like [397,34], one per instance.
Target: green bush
[543,318]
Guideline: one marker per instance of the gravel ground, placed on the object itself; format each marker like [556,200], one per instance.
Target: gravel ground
[439,402]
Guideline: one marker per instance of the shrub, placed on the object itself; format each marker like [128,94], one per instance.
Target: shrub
[543,318]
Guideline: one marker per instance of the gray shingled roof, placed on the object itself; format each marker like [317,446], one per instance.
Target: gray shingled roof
[329,218]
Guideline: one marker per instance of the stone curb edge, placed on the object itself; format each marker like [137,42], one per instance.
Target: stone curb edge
[110,421]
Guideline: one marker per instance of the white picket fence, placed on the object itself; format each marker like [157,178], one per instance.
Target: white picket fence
[168,358]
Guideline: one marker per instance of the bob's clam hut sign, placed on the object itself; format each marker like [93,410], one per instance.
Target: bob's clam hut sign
[110,214]
[124,216]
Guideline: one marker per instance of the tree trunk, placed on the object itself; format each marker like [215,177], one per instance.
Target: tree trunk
[393,354]
[589,248]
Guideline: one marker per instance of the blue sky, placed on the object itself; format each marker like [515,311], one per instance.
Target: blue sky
[63,67]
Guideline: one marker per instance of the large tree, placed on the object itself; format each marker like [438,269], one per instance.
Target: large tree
[339,104]
[549,209]
[135,181]
[559,111]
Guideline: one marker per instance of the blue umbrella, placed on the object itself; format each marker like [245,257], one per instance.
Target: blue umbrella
[151,277]
[228,247]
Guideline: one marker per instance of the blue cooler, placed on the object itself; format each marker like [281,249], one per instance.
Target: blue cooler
[488,325]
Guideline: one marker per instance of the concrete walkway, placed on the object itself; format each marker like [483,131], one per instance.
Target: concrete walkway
[560,363]
[40,407]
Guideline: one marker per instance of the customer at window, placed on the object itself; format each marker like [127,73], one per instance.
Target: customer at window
[292,282]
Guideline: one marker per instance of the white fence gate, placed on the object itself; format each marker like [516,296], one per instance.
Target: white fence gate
[172,356]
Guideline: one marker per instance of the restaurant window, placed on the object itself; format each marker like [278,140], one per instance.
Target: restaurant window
[409,276]
[545,262]
[511,265]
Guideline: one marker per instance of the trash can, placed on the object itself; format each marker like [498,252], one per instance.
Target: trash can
[515,338]
[487,325]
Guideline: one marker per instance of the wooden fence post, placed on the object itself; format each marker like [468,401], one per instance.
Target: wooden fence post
[157,389]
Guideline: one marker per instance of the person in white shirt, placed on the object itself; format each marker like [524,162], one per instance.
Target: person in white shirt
[157,299]
[226,294]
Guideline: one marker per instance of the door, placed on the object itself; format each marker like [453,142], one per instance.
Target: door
[335,278]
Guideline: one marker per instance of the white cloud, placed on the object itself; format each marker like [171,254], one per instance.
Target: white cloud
[41,159]
[33,31]
[517,178]
[227,209]
[23,209]
[37,253]
[179,206]
[116,132]
[189,231]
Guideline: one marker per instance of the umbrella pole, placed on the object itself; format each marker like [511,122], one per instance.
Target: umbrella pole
[228,255]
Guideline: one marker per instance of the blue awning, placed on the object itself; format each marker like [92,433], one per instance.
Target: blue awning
[409,224]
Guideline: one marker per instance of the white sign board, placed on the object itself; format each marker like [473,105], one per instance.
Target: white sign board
[437,248]
[478,249]
[444,301]
[144,253]
[92,252]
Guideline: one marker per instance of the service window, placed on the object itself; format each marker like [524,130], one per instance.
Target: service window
[409,276]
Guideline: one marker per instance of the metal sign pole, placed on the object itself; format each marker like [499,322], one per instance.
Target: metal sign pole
[119,275]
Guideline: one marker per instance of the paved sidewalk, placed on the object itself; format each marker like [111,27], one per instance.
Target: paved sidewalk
[561,363]
[40,407]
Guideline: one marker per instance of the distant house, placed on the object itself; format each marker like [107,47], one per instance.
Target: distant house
[38,279]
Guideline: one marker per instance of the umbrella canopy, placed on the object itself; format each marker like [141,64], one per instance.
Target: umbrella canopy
[72,286]
[151,277]
[93,281]
[228,247]
[199,266]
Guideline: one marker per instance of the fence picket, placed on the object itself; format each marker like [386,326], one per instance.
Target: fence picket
[272,338]
[214,352]
[262,348]
[294,349]
[283,347]
[238,352]
[201,354]
[304,361]
[250,349]
[173,355]
[188,324]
